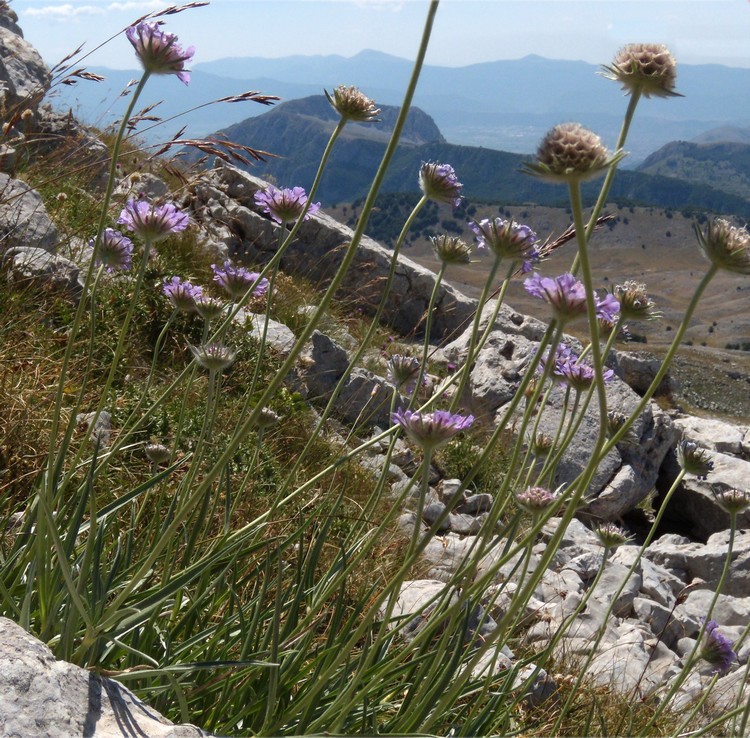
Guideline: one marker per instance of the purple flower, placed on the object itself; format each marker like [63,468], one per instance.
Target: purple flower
[569,369]
[431,430]
[238,280]
[285,206]
[717,648]
[579,375]
[567,296]
[507,240]
[158,51]
[115,250]
[182,294]
[439,183]
[152,222]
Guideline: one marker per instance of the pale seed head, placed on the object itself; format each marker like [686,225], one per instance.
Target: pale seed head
[570,152]
[648,69]
[351,104]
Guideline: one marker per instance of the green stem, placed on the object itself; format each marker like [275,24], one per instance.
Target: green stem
[49,482]
[574,189]
[113,611]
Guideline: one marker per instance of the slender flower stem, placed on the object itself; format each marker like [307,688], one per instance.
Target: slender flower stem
[49,482]
[465,373]
[610,176]
[428,331]
[113,612]
[574,190]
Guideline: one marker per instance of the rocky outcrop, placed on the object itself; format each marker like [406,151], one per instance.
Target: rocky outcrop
[45,698]
[24,77]
[223,204]
[24,221]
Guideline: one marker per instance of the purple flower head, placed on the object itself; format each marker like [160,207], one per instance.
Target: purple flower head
[182,294]
[569,369]
[716,648]
[158,51]
[403,372]
[579,375]
[607,308]
[567,296]
[285,206]
[507,240]
[152,222]
[431,430]
[238,280]
[440,183]
[115,250]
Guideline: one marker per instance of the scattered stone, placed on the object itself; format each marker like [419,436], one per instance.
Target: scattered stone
[24,221]
[30,264]
[45,698]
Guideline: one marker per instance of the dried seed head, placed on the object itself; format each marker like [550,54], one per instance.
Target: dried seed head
[648,69]
[570,152]
[214,356]
[157,453]
[733,501]
[726,246]
[351,104]
[541,445]
[694,459]
[611,536]
[451,249]
[635,303]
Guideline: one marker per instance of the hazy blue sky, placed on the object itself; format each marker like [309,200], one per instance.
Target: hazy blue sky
[465,32]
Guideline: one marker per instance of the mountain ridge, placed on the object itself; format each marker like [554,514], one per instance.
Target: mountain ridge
[505,105]
[292,131]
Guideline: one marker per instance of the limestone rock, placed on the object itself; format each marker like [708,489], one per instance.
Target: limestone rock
[24,220]
[693,507]
[715,435]
[47,270]
[24,77]
[45,698]
[317,253]
[638,370]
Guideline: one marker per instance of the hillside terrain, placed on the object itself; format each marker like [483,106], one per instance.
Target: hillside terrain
[297,132]
[722,165]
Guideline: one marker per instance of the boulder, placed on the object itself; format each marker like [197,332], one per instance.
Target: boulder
[47,270]
[693,507]
[24,221]
[712,434]
[24,77]
[45,698]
